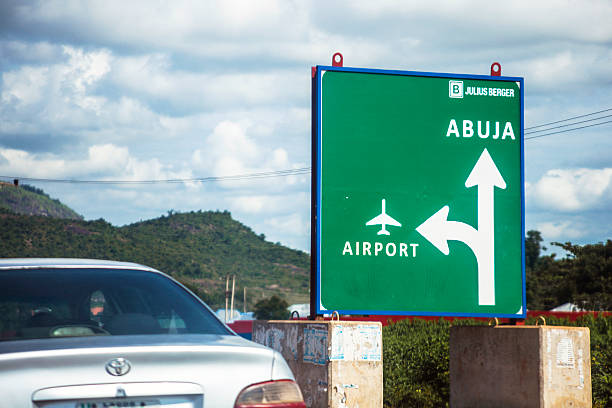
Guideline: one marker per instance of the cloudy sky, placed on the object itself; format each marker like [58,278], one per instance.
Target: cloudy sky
[152,90]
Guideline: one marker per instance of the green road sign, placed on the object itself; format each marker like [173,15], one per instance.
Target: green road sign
[419,193]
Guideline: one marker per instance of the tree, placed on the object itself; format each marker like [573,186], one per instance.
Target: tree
[584,277]
[272,308]
[532,248]
[589,273]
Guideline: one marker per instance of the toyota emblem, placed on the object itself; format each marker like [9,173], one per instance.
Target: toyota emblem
[118,366]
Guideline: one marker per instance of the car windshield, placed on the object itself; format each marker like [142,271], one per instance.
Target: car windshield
[56,302]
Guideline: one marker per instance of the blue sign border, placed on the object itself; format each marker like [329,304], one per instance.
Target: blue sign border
[316,201]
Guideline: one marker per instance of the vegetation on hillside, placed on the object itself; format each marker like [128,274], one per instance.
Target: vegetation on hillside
[28,200]
[199,248]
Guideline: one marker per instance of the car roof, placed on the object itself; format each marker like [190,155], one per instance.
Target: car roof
[30,263]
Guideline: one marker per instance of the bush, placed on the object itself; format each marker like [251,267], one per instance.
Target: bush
[416,364]
[272,308]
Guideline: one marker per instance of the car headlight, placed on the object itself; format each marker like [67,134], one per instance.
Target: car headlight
[272,394]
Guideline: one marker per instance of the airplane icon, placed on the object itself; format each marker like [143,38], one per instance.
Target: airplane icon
[383,220]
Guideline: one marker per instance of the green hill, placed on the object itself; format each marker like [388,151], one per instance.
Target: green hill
[199,248]
[28,200]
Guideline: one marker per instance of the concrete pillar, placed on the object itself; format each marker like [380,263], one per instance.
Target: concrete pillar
[520,366]
[336,363]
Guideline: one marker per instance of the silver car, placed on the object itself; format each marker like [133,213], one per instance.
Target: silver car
[91,334]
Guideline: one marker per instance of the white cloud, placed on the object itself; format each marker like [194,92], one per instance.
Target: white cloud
[154,76]
[572,190]
[182,24]
[30,52]
[253,204]
[18,163]
[24,87]
[65,99]
[561,230]
[56,94]
[229,151]
[103,162]
[292,229]
[229,140]
[294,223]
[558,68]
[68,81]
[539,20]
[270,204]
[86,68]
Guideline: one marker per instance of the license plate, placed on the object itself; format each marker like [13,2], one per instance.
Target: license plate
[119,403]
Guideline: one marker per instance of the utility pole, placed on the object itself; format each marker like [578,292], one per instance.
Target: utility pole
[232,307]
[226,295]
[244,308]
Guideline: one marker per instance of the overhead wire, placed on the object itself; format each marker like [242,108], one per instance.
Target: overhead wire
[308,170]
[568,119]
[547,127]
[248,176]
[569,124]
[568,130]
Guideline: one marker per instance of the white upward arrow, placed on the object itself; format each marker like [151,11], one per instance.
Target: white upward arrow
[438,230]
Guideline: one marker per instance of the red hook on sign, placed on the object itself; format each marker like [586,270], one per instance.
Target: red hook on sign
[337,60]
[496,69]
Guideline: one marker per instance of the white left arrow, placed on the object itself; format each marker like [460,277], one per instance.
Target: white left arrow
[438,230]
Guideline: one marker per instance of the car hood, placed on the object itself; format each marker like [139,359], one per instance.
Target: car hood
[220,366]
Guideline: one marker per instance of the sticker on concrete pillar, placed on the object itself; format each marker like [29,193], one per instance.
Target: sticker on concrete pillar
[356,343]
[370,342]
[315,346]
[337,347]
[565,353]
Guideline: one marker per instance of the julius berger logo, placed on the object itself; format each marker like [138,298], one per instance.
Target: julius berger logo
[456,90]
